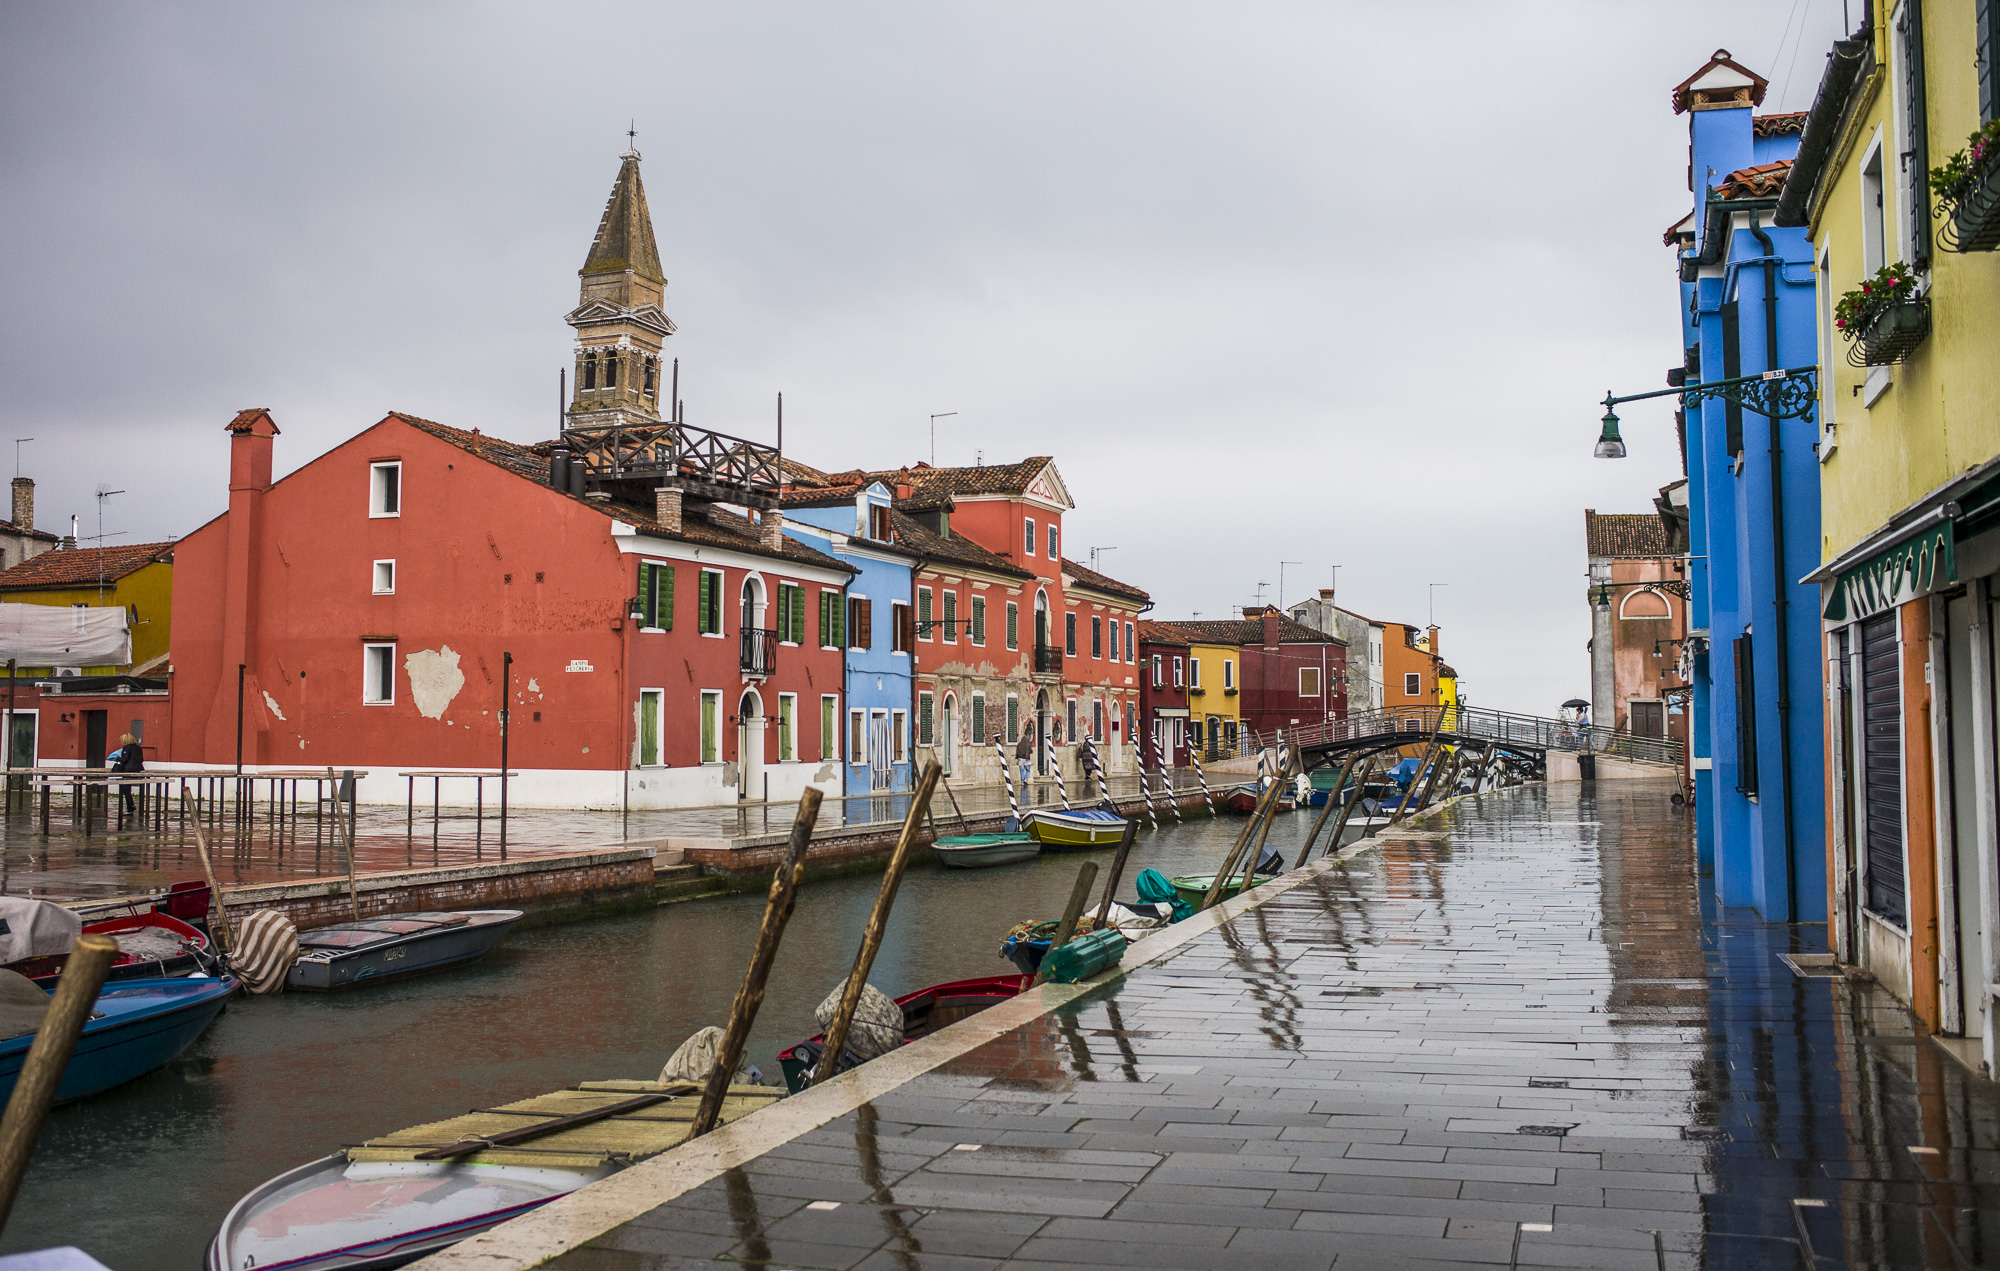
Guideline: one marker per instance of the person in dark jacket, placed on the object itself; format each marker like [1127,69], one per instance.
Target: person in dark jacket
[129,757]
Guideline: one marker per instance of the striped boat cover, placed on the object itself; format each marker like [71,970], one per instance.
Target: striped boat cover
[266,946]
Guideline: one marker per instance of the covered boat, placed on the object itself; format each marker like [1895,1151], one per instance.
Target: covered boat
[151,946]
[138,1026]
[396,1198]
[924,1012]
[373,949]
[1074,830]
[977,851]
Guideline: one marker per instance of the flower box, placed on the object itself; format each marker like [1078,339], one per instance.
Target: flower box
[1975,221]
[1894,333]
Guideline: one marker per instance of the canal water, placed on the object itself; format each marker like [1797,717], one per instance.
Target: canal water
[140,1176]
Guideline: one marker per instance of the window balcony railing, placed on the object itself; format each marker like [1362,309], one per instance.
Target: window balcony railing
[760,652]
[1048,659]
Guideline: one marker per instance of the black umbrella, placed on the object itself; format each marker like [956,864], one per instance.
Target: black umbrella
[1575,702]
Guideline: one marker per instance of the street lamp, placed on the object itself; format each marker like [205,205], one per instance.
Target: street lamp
[1782,394]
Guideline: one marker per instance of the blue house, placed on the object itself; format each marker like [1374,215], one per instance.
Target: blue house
[853,523]
[1747,307]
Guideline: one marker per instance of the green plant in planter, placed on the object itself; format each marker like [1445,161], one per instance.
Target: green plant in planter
[1891,285]
[1961,174]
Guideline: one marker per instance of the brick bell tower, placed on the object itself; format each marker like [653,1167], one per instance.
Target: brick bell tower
[622,320]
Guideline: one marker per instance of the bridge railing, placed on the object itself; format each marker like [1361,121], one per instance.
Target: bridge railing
[1473,723]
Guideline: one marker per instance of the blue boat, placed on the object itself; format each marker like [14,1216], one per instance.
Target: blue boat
[142,1025]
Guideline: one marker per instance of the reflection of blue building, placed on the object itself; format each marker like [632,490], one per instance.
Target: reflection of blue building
[1747,306]
[872,719]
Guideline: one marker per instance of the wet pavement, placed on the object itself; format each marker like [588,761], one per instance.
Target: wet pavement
[1515,1038]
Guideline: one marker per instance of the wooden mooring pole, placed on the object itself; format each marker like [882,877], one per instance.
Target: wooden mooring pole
[750,997]
[1332,798]
[1117,868]
[223,941]
[878,923]
[1079,896]
[345,786]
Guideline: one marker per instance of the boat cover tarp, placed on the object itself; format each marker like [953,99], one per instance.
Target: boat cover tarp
[22,1005]
[696,1058]
[35,929]
[1154,888]
[266,946]
[878,1022]
[65,635]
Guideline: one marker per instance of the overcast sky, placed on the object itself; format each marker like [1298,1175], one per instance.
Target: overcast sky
[1338,284]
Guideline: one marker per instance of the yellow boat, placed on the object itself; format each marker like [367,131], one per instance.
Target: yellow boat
[1074,830]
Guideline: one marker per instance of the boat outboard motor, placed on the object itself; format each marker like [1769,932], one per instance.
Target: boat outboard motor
[1270,861]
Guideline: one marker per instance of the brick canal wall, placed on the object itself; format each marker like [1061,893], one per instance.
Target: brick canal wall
[547,888]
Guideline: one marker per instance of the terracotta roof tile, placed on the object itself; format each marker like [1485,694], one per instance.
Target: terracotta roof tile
[912,535]
[79,567]
[1248,631]
[1151,632]
[1086,577]
[245,418]
[531,462]
[1760,182]
[8,527]
[1636,534]
[1791,125]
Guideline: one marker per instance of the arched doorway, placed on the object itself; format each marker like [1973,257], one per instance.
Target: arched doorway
[948,747]
[759,646]
[1041,621]
[750,746]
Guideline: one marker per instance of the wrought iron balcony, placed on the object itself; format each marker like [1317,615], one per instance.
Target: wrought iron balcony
[1048,659]
[760,652]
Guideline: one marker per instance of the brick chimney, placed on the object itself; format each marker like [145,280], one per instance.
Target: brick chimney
[667,508]
[1326,594]
[250,445]
[1271,628]
[771,529]
[24,502]
[1435,650]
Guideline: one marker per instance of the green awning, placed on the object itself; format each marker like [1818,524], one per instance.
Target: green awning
[1893,576]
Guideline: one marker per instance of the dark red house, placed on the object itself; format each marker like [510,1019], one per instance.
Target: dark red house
[1291,675]
[1163,694]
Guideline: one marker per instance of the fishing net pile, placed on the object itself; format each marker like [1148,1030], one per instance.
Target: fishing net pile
[1031,932]
[878,1021]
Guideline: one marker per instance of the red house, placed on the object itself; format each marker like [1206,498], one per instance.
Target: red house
[1291,674]
[1163,693]
[359,613]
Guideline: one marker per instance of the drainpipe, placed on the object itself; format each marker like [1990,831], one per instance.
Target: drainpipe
[1778,577]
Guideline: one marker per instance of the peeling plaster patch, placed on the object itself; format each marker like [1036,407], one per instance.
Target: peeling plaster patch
[302,743]
[434,679]
[535,687]
[825,773]
[272,704]
[586,750]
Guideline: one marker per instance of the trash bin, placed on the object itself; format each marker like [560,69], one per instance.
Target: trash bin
[1586,766]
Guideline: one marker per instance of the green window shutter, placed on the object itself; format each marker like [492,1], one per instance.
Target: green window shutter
[648,576]
[1013,625]
[824,629]
[924,612]
[979,620]
[979,720]
[708,709]
[838,608]
[825,727]
[666,615]
[924,730]
[649,728]
[1916,135]
[704,601]
[782,615]
[785,707]
[1013,719]
[798,615]
[951,616]
[1986,25]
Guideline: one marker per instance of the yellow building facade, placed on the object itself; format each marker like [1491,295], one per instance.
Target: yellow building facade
[1908,293]
[1215,688]
[137,577]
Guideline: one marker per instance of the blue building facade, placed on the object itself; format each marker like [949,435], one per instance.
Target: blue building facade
[853,523]
[1747,306]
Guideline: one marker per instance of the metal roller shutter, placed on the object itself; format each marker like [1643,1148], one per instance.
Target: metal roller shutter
[1882,767]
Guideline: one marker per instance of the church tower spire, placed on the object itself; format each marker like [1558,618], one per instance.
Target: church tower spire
[622,321]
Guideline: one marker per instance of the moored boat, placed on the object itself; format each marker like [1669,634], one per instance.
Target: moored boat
[924,1012]
[394,1199]
[151,946]
[978,851]
[1074,830]
[137,1026]
[346,954]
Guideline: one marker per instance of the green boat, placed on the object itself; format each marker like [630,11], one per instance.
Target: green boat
[977,851]
[1193,888]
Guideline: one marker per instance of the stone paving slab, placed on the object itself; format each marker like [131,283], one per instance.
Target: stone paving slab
[1517,1038]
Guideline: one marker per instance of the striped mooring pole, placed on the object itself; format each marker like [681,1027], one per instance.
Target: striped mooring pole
[1167,777]
[1007,779]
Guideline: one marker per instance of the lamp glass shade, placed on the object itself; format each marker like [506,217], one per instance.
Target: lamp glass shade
[1609,444]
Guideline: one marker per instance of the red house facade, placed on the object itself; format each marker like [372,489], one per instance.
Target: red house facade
[361,611]
[1291,675]
[1163,694]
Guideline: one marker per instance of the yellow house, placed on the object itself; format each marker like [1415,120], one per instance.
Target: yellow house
[1214,690]
[1910,498]
[138,577]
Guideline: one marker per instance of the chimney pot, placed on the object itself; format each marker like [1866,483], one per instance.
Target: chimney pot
[24,502]
[667,508]
[771,530]
[1326,594]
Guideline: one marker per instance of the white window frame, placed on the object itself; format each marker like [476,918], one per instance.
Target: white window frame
[857,730]
[385,571]
[1878,212]
[1180,673]
[1229,673]
[829,745]
[378,487]
[926,600]
[659,709]
[1413,684]
[790,743]
[1028,535]
[985,724]
[1097,635]
[1159,680]
[721,606]
[899,737]
[1052,539]
[1194,672]
[950,624]
[927,713]
[710,699]
[975,626]
[1069,720]
[1129,646]
[369,651]
[1317,687]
